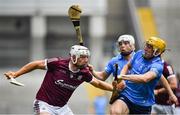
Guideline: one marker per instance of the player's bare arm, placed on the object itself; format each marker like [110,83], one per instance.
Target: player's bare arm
[172,97]
[172,83]
[40,64]
[101,84]
[143,78]
[102,75]
[125,69]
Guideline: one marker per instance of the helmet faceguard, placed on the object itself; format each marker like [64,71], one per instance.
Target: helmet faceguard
[77,51]
[158,45]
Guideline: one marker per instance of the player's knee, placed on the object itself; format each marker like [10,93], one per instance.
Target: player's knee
[115,111]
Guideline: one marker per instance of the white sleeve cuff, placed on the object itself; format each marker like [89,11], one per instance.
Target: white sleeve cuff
[45,63]
[171,76]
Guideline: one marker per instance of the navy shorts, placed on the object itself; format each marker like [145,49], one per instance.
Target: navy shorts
[134,108]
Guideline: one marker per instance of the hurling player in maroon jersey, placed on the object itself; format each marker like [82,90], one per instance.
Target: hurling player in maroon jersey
[162,105]
[62,78]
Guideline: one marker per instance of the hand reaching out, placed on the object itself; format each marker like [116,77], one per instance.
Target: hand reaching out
[91,68]
[173,100]
[9,74]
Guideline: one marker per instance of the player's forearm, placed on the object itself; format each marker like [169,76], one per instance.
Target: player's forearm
[104,86]
[95,74]
[134,78]
[124,70]
[166,86]
[98,75]
[29,67]
[163,90]
[141,78]
[173,82]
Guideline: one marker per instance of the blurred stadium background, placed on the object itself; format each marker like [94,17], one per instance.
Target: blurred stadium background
[39,29]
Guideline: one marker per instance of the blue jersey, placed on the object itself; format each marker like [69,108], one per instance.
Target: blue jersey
[120,60]
[143,93]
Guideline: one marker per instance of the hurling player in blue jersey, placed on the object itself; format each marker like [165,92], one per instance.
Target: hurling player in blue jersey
[126,46]
[126,49]
[143,71]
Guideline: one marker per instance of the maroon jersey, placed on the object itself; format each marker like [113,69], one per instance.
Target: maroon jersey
[162,98]
[59,82]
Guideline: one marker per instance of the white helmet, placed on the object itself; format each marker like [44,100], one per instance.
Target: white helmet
[78,50]
[126,37]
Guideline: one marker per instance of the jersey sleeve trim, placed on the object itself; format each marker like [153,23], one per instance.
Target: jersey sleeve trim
[171,76]
[45,63]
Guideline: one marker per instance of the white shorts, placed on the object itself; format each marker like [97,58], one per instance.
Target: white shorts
[177,111]
[163,109]
[41,106]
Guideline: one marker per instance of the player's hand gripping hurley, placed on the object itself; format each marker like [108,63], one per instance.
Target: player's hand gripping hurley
[12,80]
[74,13]
[115,92]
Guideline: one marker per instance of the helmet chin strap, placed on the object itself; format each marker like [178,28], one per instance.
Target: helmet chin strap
[74,61]
[74,64]
[155,54]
